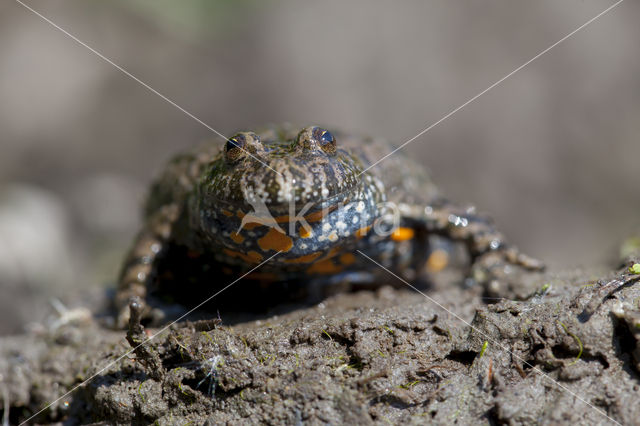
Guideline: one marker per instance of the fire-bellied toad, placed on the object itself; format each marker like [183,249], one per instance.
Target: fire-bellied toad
[306,194]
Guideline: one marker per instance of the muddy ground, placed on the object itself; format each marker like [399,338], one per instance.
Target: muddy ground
[558,348]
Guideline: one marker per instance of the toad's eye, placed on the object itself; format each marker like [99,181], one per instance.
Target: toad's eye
[316,140]
[327,137]
[326,141]
[234,149]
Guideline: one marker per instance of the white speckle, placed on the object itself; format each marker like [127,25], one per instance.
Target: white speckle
[333,236]
[360,207]
[355,219]
[326,227]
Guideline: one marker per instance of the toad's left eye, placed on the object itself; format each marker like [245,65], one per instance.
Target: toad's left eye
[327,137]
[235,148]
[326,141]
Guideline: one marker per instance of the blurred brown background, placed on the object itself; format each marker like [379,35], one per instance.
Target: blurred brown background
[553,152]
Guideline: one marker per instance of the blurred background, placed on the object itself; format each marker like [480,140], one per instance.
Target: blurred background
[552,153]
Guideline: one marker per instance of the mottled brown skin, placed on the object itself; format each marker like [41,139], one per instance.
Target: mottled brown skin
[206,195]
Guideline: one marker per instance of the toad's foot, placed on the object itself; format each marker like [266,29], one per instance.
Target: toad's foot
[515,257]
[505,273]
[479,235]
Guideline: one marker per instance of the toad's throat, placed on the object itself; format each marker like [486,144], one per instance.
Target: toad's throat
[254,219]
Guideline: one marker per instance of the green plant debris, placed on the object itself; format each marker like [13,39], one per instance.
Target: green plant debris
[205,334]
[577,341]
[339,358]
[297,363]
[183,391]
[327,334]
[409,385]
[355,365]
[267,359]
[388,329]
[485,345]
[342,367]
[635,268]
[140,392]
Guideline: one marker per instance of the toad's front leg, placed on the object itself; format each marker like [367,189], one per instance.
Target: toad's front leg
[477,233]
[138,269]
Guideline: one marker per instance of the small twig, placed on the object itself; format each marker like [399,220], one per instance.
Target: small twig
[138,340]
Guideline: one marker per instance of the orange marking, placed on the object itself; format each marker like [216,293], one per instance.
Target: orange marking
[282,219]
[237,238]
[307,258]
[254,256]
[326,266]
[275,240]
[227,213]
[227,271]
[249,225]
[251,257]
[437,261]
[305,232]
[311,217]
[333,252]
[317,216]
[402,234]
[347,259]
[362,231]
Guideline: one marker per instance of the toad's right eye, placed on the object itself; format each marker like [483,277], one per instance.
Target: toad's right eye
[234,149]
